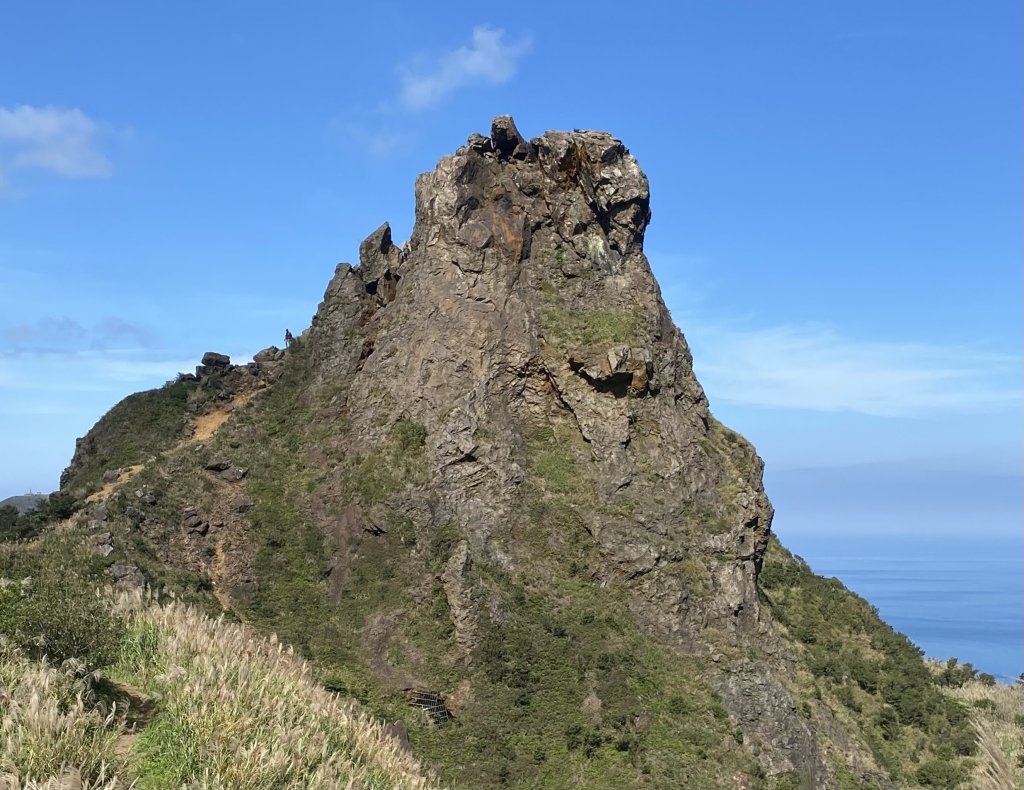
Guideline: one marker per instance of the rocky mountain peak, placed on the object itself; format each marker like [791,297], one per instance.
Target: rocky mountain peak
[487,477]
[523,305]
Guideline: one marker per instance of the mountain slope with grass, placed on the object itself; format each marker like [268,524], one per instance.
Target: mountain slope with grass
[487,476]
[123,690]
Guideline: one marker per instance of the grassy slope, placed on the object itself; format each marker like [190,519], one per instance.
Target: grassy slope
[223,708]
[872,678]
[138,427]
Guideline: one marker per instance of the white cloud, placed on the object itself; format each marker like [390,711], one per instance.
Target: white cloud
[488,59]
[49,335]
[61,140]
[817,368]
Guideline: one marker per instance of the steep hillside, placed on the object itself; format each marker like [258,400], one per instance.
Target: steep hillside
[114,692]
[486,476]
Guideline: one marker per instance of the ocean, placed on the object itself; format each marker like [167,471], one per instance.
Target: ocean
[954,596]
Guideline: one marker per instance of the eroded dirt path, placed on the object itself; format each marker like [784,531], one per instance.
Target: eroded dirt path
[206,427]
[208,424]
[126,474]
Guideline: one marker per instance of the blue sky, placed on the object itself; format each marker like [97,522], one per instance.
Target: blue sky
[835,191]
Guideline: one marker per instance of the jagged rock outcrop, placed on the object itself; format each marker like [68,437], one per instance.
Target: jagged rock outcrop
[523,280]
[488,472]
[524,304]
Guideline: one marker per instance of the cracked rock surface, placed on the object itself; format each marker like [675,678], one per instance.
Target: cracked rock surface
[523,306]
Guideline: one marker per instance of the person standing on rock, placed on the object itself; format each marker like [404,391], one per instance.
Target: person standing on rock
[288,338]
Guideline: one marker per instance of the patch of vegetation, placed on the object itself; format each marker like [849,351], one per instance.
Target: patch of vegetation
[577,328]
[555,457]
[48,603]
[569,692]
[385,471]
[231,711]
[735,451]
[955,675]
[21,526]
[139,426]
[877,674]
[58,619]
[996,709]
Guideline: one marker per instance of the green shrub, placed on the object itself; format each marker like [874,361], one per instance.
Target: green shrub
[895,697]
[60,619]
[22,526]
[940,773]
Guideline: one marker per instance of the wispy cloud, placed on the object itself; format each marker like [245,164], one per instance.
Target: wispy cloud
[386,128]
[488,59]
[374,135]
[61,140]
[818,368]
[50,335]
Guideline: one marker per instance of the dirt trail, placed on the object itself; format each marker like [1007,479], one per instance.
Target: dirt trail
[208,424]
[206,427]
[220,572]
[108,488]
[139,710]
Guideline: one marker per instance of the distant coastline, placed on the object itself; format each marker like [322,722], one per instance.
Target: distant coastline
[962,598]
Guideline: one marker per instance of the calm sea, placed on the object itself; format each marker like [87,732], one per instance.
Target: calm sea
[952,596]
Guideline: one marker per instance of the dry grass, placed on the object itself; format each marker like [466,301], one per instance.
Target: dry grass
[232,711]
[998,714]
[52,724]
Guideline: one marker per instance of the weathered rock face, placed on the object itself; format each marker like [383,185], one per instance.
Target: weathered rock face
[523,328]
[524,301]
[486,483]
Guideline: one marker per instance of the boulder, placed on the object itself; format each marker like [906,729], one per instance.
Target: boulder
[268,354]
[127,575]
[192,520]
[212,359]
[233,474]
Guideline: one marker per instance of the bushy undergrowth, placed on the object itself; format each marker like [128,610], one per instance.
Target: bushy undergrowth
[230,711]
[59,621]
[49,607]
[916,733]
[20,526]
